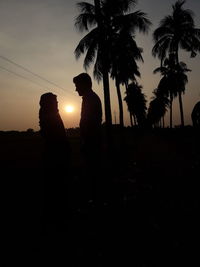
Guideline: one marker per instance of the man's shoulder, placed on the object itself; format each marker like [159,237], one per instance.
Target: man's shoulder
[92,96]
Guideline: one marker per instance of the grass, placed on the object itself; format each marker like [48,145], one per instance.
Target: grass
[150,217]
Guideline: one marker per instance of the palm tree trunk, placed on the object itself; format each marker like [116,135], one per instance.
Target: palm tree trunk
[121,115]
[179,94]
[107,105]
[135,120]
[131,114]
[163,122]
[171,100]
[102,47]
[131,119]
[181,109]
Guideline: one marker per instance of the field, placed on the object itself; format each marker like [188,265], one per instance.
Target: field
[148,215]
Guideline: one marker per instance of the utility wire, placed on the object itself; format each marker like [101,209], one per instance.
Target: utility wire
[35,74]
[21,76]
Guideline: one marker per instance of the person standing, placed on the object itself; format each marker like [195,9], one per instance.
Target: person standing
[56,161]
[90,128]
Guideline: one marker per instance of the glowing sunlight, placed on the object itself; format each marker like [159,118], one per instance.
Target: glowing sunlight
[69,108]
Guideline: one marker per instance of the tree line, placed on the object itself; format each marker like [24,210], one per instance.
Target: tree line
[110,46]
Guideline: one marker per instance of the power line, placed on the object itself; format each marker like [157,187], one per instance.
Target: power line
[35,74]
[21,76]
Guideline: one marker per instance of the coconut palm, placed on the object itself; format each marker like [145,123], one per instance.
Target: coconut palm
[153,115]
[123,64]
[173,82]
[176,31]
[124,52]
[136,103]
[166,86]
[157,108]
[90,17]
[115,21]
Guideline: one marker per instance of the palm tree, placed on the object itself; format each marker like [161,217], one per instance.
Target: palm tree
[176,31]
[166,86]
[124,51]
[136,102]
[115,21]
[157,108]
[123,64]
[93,44]
[173,82]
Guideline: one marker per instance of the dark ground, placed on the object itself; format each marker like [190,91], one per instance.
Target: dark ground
[149,214]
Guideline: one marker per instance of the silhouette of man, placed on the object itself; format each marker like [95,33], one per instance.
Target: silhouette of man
[91,117]
[90,126]
[195,115]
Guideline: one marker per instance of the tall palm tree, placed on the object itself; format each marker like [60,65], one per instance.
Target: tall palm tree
[123,64]
[166,86]
[124,52]
[173,82]
[136,102]
[105,68]
[176,31]
[115,20]
[90,17]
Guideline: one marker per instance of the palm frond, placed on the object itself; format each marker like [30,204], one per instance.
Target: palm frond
[84,21]
[90,55]
[133,21]
[85,43]
[85,7]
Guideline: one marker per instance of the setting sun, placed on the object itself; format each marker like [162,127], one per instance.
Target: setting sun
[69,109]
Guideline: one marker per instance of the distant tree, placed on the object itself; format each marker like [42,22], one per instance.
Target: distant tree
[123,64]
[176,31]
[30,130]
[136,102]
[157,109]
[173,82]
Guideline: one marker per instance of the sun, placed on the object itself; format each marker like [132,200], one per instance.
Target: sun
[69,108]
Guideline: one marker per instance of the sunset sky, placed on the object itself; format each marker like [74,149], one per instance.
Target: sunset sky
[37,43]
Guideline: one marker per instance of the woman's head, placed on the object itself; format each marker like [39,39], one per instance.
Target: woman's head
[48,100]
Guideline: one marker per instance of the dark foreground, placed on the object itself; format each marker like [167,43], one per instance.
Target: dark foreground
[147,216]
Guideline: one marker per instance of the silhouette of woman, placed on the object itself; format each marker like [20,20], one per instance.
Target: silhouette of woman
[53,131]
[56,159]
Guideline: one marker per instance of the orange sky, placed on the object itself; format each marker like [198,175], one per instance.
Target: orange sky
[40,36]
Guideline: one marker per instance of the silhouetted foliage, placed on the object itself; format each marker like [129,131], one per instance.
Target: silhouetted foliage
[30,130]
[136,102]
[177,31]
[173,81]
[121,49]
[157,109]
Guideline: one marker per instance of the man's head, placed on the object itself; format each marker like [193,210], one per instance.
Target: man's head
[83,83]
